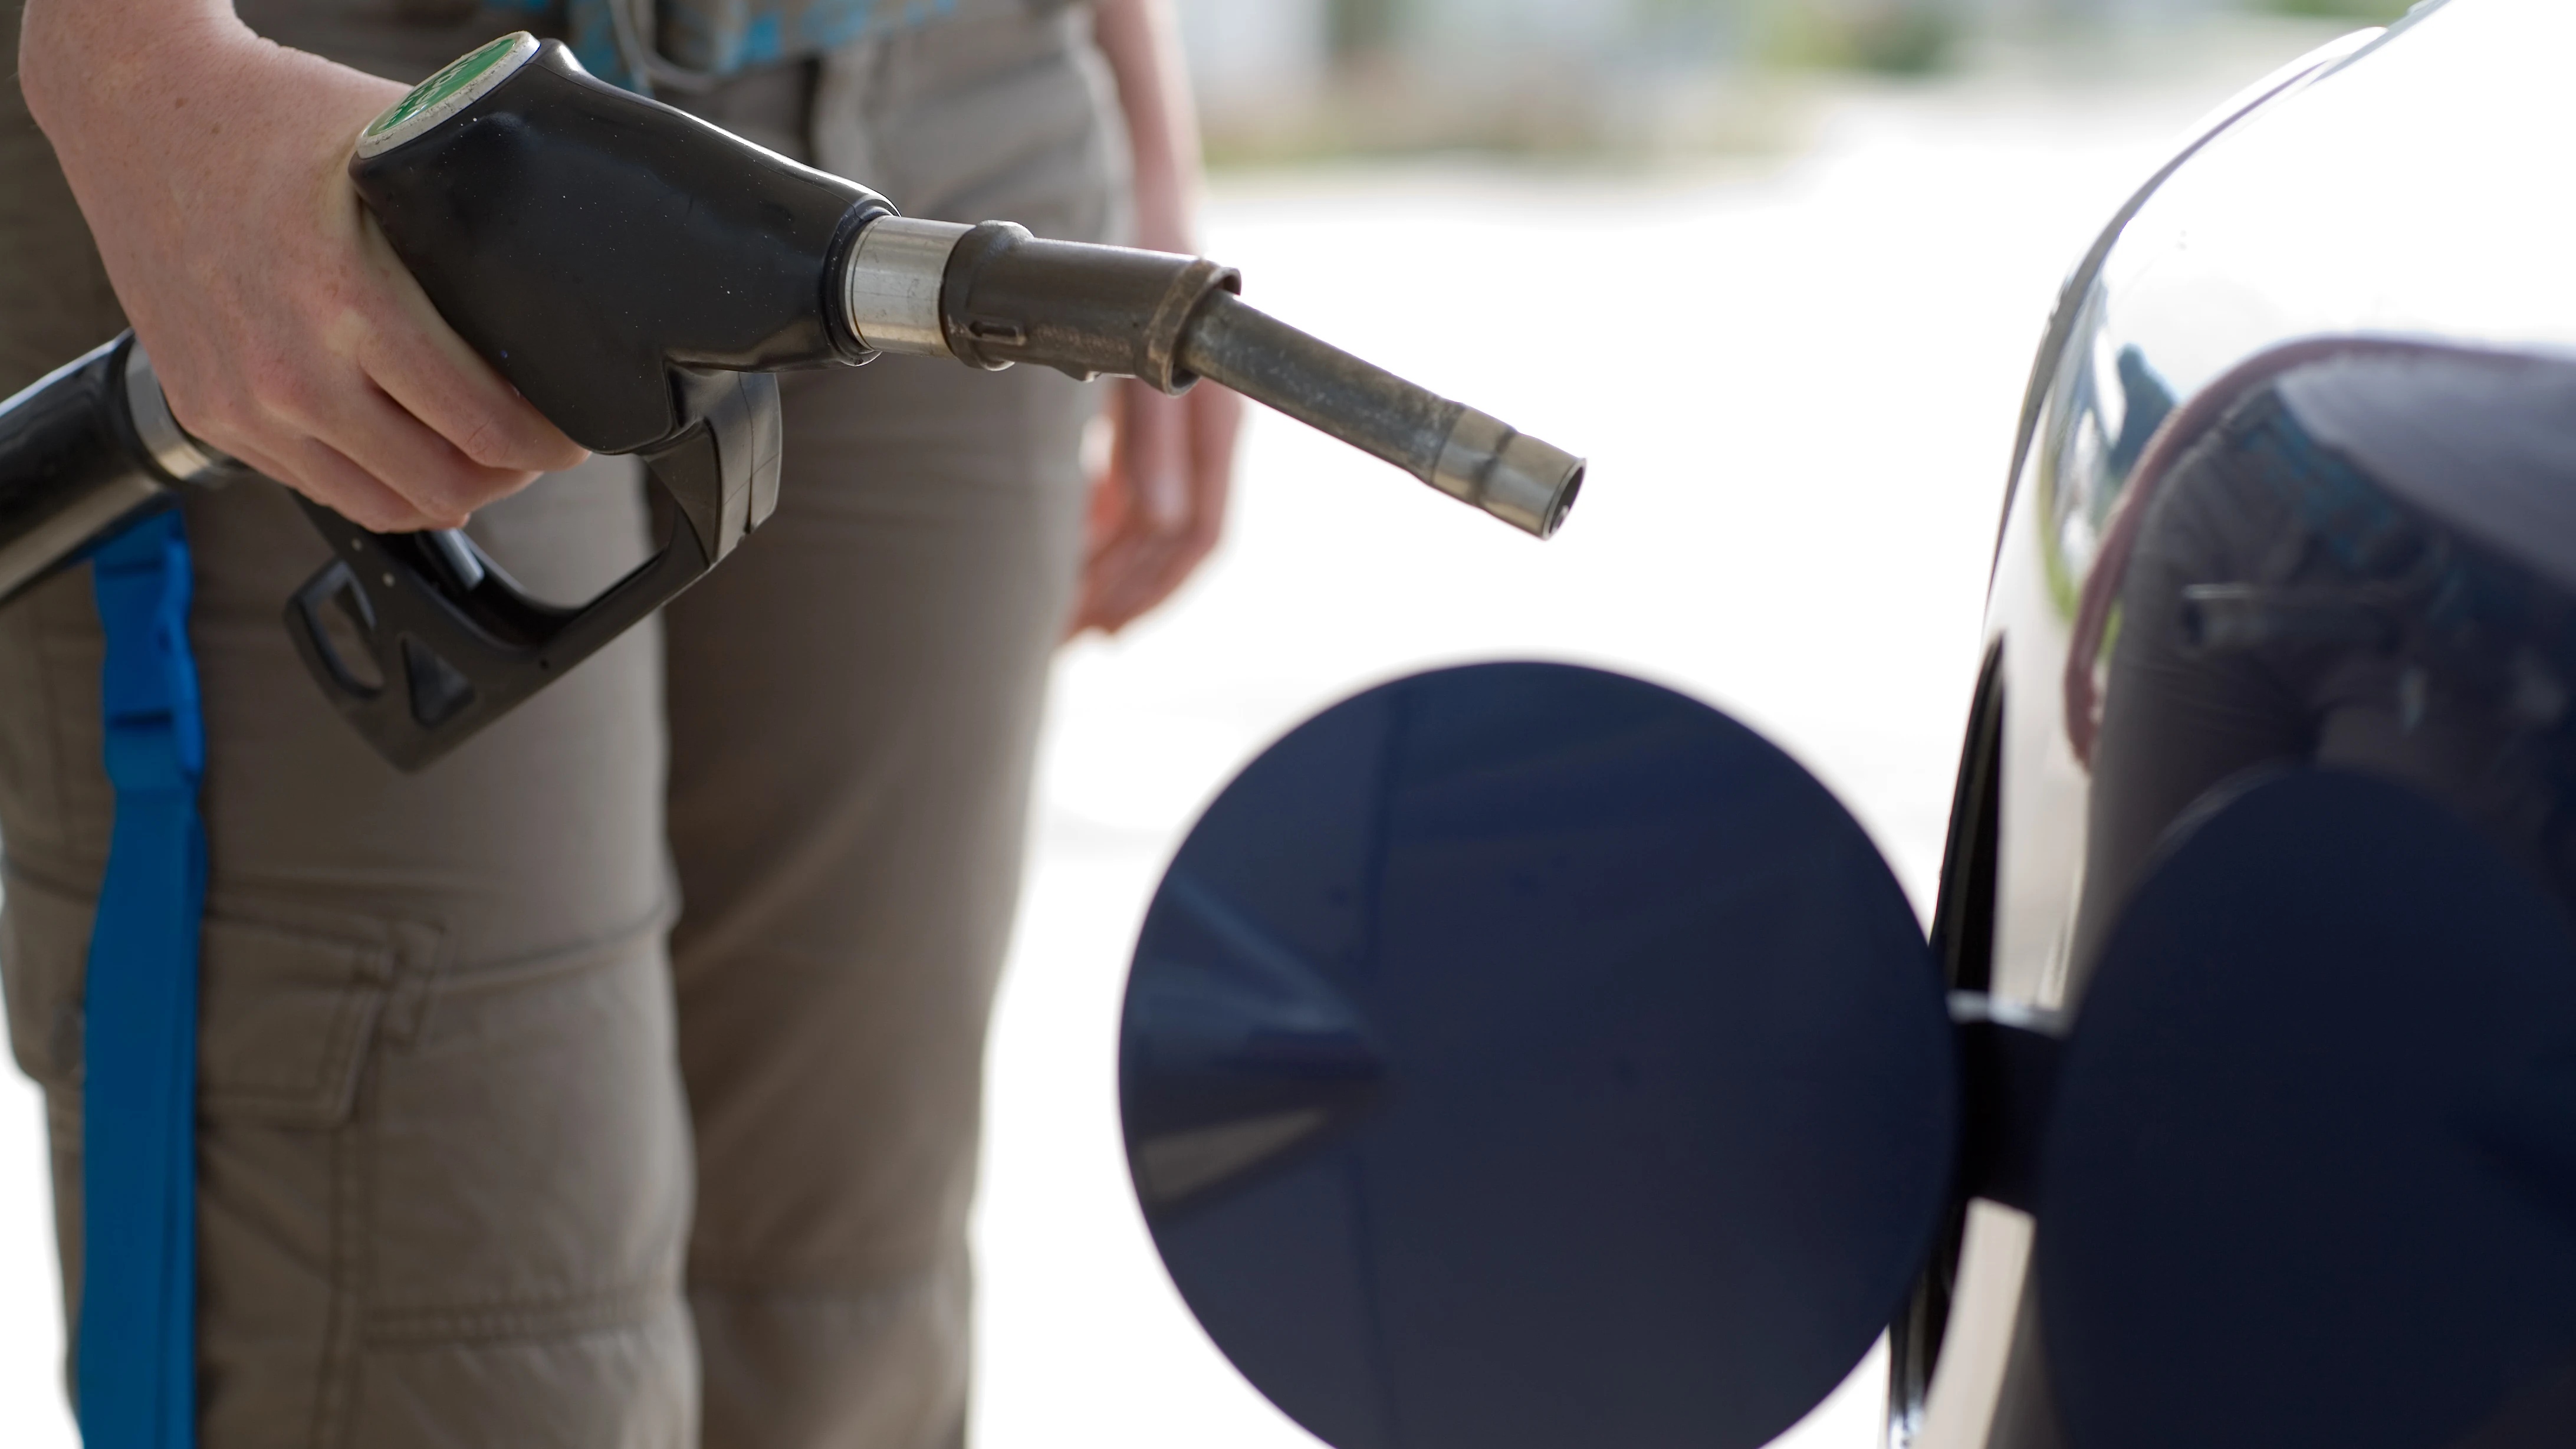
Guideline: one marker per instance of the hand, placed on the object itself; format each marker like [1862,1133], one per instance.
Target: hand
[1157,511]
[211,166]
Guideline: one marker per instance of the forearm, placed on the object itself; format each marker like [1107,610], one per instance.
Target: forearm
[211,166]
[71,52]
[164,111]
[1142,42]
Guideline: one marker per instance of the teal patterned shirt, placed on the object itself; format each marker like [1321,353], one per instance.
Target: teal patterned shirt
[724,36]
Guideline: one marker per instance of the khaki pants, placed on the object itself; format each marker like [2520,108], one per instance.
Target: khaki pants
[614,1082]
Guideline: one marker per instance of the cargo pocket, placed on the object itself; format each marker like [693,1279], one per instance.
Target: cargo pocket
[530,1167]
[289,997]
[527,1189]
[294,1004]
[290,1001]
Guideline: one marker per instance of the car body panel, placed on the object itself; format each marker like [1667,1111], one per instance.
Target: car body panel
[2386,225]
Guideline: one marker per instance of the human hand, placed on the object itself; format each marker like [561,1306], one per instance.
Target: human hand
[211,166]
[1158,509]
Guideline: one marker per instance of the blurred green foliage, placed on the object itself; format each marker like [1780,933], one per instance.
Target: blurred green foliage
[2380,10]
[1357,27]
[1894,37]
[1890,37]
[1906,42]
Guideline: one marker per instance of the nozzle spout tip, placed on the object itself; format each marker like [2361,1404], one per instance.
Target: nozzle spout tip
[1527,483]
[1561,501]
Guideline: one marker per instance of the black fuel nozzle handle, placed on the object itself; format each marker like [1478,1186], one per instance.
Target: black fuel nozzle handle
[587,241]
[613,257]
[449,642]
[636,274]
[593,245]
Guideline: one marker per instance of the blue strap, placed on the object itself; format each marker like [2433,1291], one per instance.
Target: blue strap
[725,36]
[137,1364]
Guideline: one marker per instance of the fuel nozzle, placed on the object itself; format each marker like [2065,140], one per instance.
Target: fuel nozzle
[993,295]
[601,250]
[1472,456]
[638,274]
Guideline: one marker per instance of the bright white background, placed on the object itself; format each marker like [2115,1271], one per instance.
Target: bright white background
[1796,380]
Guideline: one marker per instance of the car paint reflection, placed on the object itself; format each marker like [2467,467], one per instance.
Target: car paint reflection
[2202,572]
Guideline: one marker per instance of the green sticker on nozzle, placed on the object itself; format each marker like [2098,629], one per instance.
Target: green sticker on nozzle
[456,85]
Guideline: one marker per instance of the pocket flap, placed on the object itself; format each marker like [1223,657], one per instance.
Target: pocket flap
[284,1019]
[288,997]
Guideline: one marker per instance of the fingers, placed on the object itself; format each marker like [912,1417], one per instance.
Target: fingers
[1135,562]
[439,485]
[480,418]
[328,476]
[347,442]
[385,415]
[427,370]
[1154,447]
[321,473]
[1114,582]
[284,330]
[1216,423]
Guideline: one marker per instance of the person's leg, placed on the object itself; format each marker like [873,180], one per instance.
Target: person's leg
[854,702]
[855,698]
[443,1166]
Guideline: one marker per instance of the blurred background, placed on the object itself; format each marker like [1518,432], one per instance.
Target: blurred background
[1777,266]
[1624,79]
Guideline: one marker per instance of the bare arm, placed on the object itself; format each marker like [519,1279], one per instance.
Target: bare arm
[209,164]
[1142,42]
[1160,509]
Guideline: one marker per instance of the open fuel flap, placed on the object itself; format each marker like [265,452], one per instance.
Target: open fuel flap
[1525,1055]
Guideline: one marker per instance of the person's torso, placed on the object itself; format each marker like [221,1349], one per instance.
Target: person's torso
[407,39]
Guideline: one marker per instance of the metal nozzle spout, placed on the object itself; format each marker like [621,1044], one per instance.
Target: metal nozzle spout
[992,295]
[1464,453]
[1511,475]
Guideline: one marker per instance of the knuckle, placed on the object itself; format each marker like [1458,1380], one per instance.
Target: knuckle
[517,445]
[263,374]
[271,389]
[433,496]
[485,443]
[382,513]
[220,419]
[466,486]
